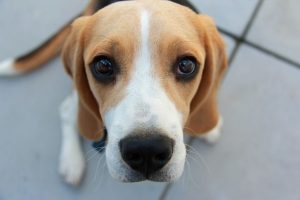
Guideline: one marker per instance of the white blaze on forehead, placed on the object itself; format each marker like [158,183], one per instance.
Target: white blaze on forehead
[144,57]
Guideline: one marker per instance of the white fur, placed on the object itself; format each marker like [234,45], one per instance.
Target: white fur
[72,162]
[213,135]
[145,106]
[7,68]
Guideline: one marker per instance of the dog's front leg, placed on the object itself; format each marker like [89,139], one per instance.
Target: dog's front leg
[72,162]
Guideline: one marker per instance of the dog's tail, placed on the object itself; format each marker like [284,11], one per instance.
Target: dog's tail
[41,55]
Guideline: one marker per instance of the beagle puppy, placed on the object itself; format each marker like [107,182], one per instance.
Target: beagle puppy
[146,71]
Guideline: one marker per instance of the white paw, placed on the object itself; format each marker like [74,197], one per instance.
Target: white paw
[213,135]
[7,68]
[72,166]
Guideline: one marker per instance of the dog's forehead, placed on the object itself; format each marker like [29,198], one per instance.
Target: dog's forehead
[124,17]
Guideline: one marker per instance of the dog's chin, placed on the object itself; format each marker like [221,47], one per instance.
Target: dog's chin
[127,175]
[133,177]
[165,176]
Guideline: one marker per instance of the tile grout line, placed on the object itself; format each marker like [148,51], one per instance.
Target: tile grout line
[246,30]
[273,54]
[259,48]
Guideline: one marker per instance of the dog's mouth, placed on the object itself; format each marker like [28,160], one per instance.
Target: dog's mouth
[127,175]
[134,176]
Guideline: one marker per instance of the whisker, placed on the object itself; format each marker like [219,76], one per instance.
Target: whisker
[189,129]
[101,175]
[187,172]
[96,170]
[95,148]
[90,151]
[202,159]
[190,176]
[209,172]
[94,154]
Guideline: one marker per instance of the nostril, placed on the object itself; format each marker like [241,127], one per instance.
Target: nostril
[162,157]
[134,158]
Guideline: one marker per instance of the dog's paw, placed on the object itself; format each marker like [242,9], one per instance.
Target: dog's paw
[72,166]
[213,135]
[7,68]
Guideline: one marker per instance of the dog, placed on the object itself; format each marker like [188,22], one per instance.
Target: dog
[145,72]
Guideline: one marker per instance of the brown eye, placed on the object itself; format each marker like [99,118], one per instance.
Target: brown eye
[103,69]
[186,67]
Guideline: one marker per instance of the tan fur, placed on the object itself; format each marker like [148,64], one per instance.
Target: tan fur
[175,31]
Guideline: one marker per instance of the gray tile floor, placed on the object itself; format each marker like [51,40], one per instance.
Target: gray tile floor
[257,157]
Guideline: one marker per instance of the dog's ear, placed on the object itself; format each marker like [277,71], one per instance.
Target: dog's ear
[204,114]
[89,120]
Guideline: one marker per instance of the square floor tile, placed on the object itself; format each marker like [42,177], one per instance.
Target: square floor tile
[25,24]
[257,156]
[231,15]
[277,27]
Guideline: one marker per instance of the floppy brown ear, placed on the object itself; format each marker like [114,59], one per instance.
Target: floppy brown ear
[204,113]
[89,120]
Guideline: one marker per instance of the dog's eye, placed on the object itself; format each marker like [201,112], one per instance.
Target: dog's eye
[103,68]
[186,67]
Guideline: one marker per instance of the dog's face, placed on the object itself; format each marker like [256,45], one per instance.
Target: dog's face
[138,67]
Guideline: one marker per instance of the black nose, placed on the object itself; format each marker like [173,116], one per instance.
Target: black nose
[146,154]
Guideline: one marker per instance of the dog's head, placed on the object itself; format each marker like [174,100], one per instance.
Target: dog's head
[142,70]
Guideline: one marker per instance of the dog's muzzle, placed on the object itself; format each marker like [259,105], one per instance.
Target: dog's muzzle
[146,154]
